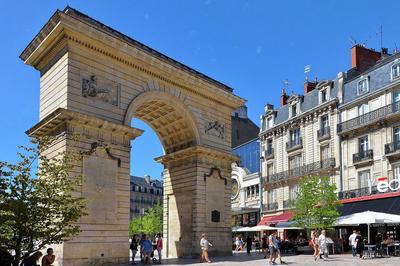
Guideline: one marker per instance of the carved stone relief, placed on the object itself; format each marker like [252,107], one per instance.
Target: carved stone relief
[216,129]
[100,89]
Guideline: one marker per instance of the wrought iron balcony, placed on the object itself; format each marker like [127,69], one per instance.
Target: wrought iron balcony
[392,147]
[370,117]
[271,206]
[356,193]
[324,133]
[301,171]
[294,144]
[363,157]
[269,153]
[288,204]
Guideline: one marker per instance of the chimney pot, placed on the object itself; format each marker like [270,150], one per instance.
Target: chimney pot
[284,98]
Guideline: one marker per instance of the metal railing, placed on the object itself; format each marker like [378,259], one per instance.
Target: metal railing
[294,143]
[360,192]
[369,117]
[324,132]
[271,206]
[363,156]
[392,147]
[288,204]
[301,171]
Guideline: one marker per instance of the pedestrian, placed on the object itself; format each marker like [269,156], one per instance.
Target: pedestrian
[237,243]
[146,248]
[264,245]
[323,245]
[314,244]
[48,259]
[134,248]
[272,248]
[278,250]
[359,244]
[159,243]
[32,259]
[204,244]
[249,244]
[353,243]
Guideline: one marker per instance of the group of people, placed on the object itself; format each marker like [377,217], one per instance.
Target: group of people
[319,243]
[147,248]
[47,260]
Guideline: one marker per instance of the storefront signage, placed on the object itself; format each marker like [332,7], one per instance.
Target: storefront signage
[384,185]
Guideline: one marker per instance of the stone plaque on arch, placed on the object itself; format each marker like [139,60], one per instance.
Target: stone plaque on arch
[215,216]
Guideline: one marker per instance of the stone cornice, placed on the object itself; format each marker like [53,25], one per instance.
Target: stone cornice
[302,118]
[196,151]
[63,116]
[119,47]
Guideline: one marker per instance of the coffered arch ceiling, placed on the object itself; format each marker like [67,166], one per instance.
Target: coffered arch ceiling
[168,117]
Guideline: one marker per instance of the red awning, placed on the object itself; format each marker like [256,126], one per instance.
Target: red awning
[274,219]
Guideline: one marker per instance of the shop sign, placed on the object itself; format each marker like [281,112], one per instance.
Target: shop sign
[384,185]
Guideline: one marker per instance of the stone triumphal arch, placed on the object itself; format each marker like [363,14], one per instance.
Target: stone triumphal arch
[93,81]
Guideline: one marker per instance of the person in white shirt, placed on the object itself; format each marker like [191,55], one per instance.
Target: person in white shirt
[353,243]
[323,245]
[204,244]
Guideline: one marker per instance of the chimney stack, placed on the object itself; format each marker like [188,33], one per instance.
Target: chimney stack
[268,107]
[284,97]
[309,86]
[363,58]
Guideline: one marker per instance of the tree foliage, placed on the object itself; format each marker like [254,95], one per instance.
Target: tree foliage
[37,205]
[316,203]
[149,223]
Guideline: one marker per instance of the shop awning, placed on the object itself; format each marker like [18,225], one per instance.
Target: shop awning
[387,205]
[274,219]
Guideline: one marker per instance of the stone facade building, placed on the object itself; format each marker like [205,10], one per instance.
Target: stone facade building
[145,194]
[298,139]
[369,123]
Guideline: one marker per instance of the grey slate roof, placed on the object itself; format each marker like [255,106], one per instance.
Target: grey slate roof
[140,181]
[379,76]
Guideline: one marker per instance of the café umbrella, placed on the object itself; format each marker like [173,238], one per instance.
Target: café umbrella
[367,217]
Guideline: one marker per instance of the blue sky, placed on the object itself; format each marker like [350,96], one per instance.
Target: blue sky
[252,46]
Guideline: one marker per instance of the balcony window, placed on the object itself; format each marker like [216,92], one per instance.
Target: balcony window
[396,96]
[294,190]
[270,169]
[295,137]
[362,86]
[272,196]
[295,161]
[363,109]
[325,153]
[257,190]
[363,144]
[363,179]
[396,172]
[395,71]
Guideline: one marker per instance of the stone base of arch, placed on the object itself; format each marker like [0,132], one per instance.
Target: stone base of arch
[194,180]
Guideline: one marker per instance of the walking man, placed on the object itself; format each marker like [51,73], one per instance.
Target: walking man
[323,245]
[204,244]
[134,248]
[353,243]
[272,248]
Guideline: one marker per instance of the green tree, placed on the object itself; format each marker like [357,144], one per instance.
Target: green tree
[316,203]
[150,223]
[37,206]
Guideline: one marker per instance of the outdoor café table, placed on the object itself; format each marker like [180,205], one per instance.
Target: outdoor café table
[370,250]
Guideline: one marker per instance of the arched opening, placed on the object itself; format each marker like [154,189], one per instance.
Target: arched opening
[171,122]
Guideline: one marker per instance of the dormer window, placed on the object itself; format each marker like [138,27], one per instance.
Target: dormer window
[362,86]
[294,110]
[324,96]
[270,122]
[396,71]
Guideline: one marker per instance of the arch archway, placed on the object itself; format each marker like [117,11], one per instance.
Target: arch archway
[93,81]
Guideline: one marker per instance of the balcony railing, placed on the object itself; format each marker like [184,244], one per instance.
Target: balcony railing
[360,192]
[301,171]
[324,133]
[294,144]
[269,153]
[392,147]
[363,156]
[369,117]
[288,204]
[271,206]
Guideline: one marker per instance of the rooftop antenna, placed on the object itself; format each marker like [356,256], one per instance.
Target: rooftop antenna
[352,40]
[381,33]
[286,84]
[307,70]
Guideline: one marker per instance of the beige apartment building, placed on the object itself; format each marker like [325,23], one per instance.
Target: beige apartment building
[298,139]
[370,124]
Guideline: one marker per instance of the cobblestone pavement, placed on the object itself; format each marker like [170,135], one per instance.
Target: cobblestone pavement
[257,260]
